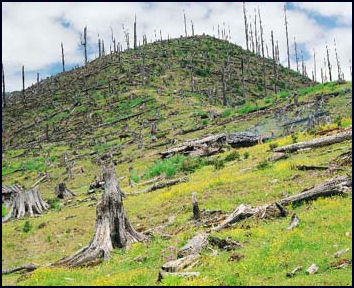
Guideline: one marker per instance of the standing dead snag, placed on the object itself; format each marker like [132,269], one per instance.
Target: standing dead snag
[62,56]
[296,58]
[274,65]
[196,211]
[23,84]
[329,65]
[85,44]
[287,35]
[22,202]
[3,87]
[185,23]
[113,229]
[135,41]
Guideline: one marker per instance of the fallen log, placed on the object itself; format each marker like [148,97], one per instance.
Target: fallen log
[318,142]
[278,156]
[306,168]
[194,245]
[335,186]
[27,268]
[244,139]
[161,185]
[227,244]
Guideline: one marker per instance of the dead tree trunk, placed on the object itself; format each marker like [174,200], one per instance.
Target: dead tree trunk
[99,48]
[113,229]
[329,65]
[196,211]
[3,87]
[22,202]
[296,58]
[62,192]
[135,39]
[185,23]
[274,65]
[192,25]
[337,59]
[262,46]
[246,33]
[314,66]
[287,35]
[23,84]
[85,44]
[318,142]
[62,56]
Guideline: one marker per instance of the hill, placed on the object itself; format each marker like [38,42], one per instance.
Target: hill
[133,106]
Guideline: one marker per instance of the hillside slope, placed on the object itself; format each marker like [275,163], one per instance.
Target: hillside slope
[114,114]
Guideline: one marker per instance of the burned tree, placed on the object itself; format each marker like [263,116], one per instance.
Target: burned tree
[337,59]
[24,202]
[274,65]
[23,84]
[329,65]
[185,23]
[113,229]
[62,56]
[85,44]
[262,45]
[126,37]
[3,87]
[314,65]
[99,48]
[287,35]
[135,39]
[192,28]
[246,33]
[296,58]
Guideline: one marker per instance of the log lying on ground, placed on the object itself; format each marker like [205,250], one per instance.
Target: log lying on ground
[227,244]
[161,185]
[27,268]
[177,265]
[25,202]
[278,156]
[62,192]
[113,229]
[318,142]
[335,186]
[194,245]
[194,145]
[244,139]
[344,159]
[306,168]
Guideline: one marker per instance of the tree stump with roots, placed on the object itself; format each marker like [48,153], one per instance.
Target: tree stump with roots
[113,229]
[62,192]
[25,202]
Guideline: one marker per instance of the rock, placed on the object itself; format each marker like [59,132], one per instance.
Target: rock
[340,253]
[312,269]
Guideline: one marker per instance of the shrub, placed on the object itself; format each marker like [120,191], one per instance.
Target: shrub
[233,156]
[338,121]
[135,177]
[54,204]
[169,167]
[226,113]
[263,165]
[27,227]
[205,122]
[246,155]
[294,137]
[219,164]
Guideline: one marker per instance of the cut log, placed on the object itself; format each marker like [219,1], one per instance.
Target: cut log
[292,273]
[306,168]
[161,185]
[244,139]
[318,142]
[180,264]
[335,186]
[25,202]
[195,206]
[62,192]
[312,269]
[344,159]
[340,253]
[113,229]
[194,245]
[163,274]
[278,156]
[294,222]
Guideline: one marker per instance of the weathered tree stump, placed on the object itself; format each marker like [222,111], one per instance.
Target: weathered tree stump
[25,202]
[196,211]
[62,192]
[113,229]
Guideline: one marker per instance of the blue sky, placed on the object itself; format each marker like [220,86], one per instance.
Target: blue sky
[32,32]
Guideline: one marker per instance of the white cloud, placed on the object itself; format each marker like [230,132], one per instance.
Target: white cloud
[32,32]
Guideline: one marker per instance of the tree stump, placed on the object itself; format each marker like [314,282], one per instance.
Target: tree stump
[62,192]
[23,202]
[113,229]
[195,206]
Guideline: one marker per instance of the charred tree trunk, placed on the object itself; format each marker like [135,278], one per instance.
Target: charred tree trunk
[192,28]
[85,44]
[23,84]
[62,56]
[338,63]
[287,36]
[99,48]
[262,46]
[196,211]
[329,65]
[274,65]
[246,33]
[314,66]
[185,23]
[22,202]
[3,88]
[113,229]
[296,58]
[62,192]
[135,37]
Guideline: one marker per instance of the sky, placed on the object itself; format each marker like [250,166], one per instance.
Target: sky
[32,32]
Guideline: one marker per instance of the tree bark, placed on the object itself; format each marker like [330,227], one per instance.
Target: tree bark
[317,142]
[113,229]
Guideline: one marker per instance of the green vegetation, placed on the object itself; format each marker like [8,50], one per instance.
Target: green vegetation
[27,227]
